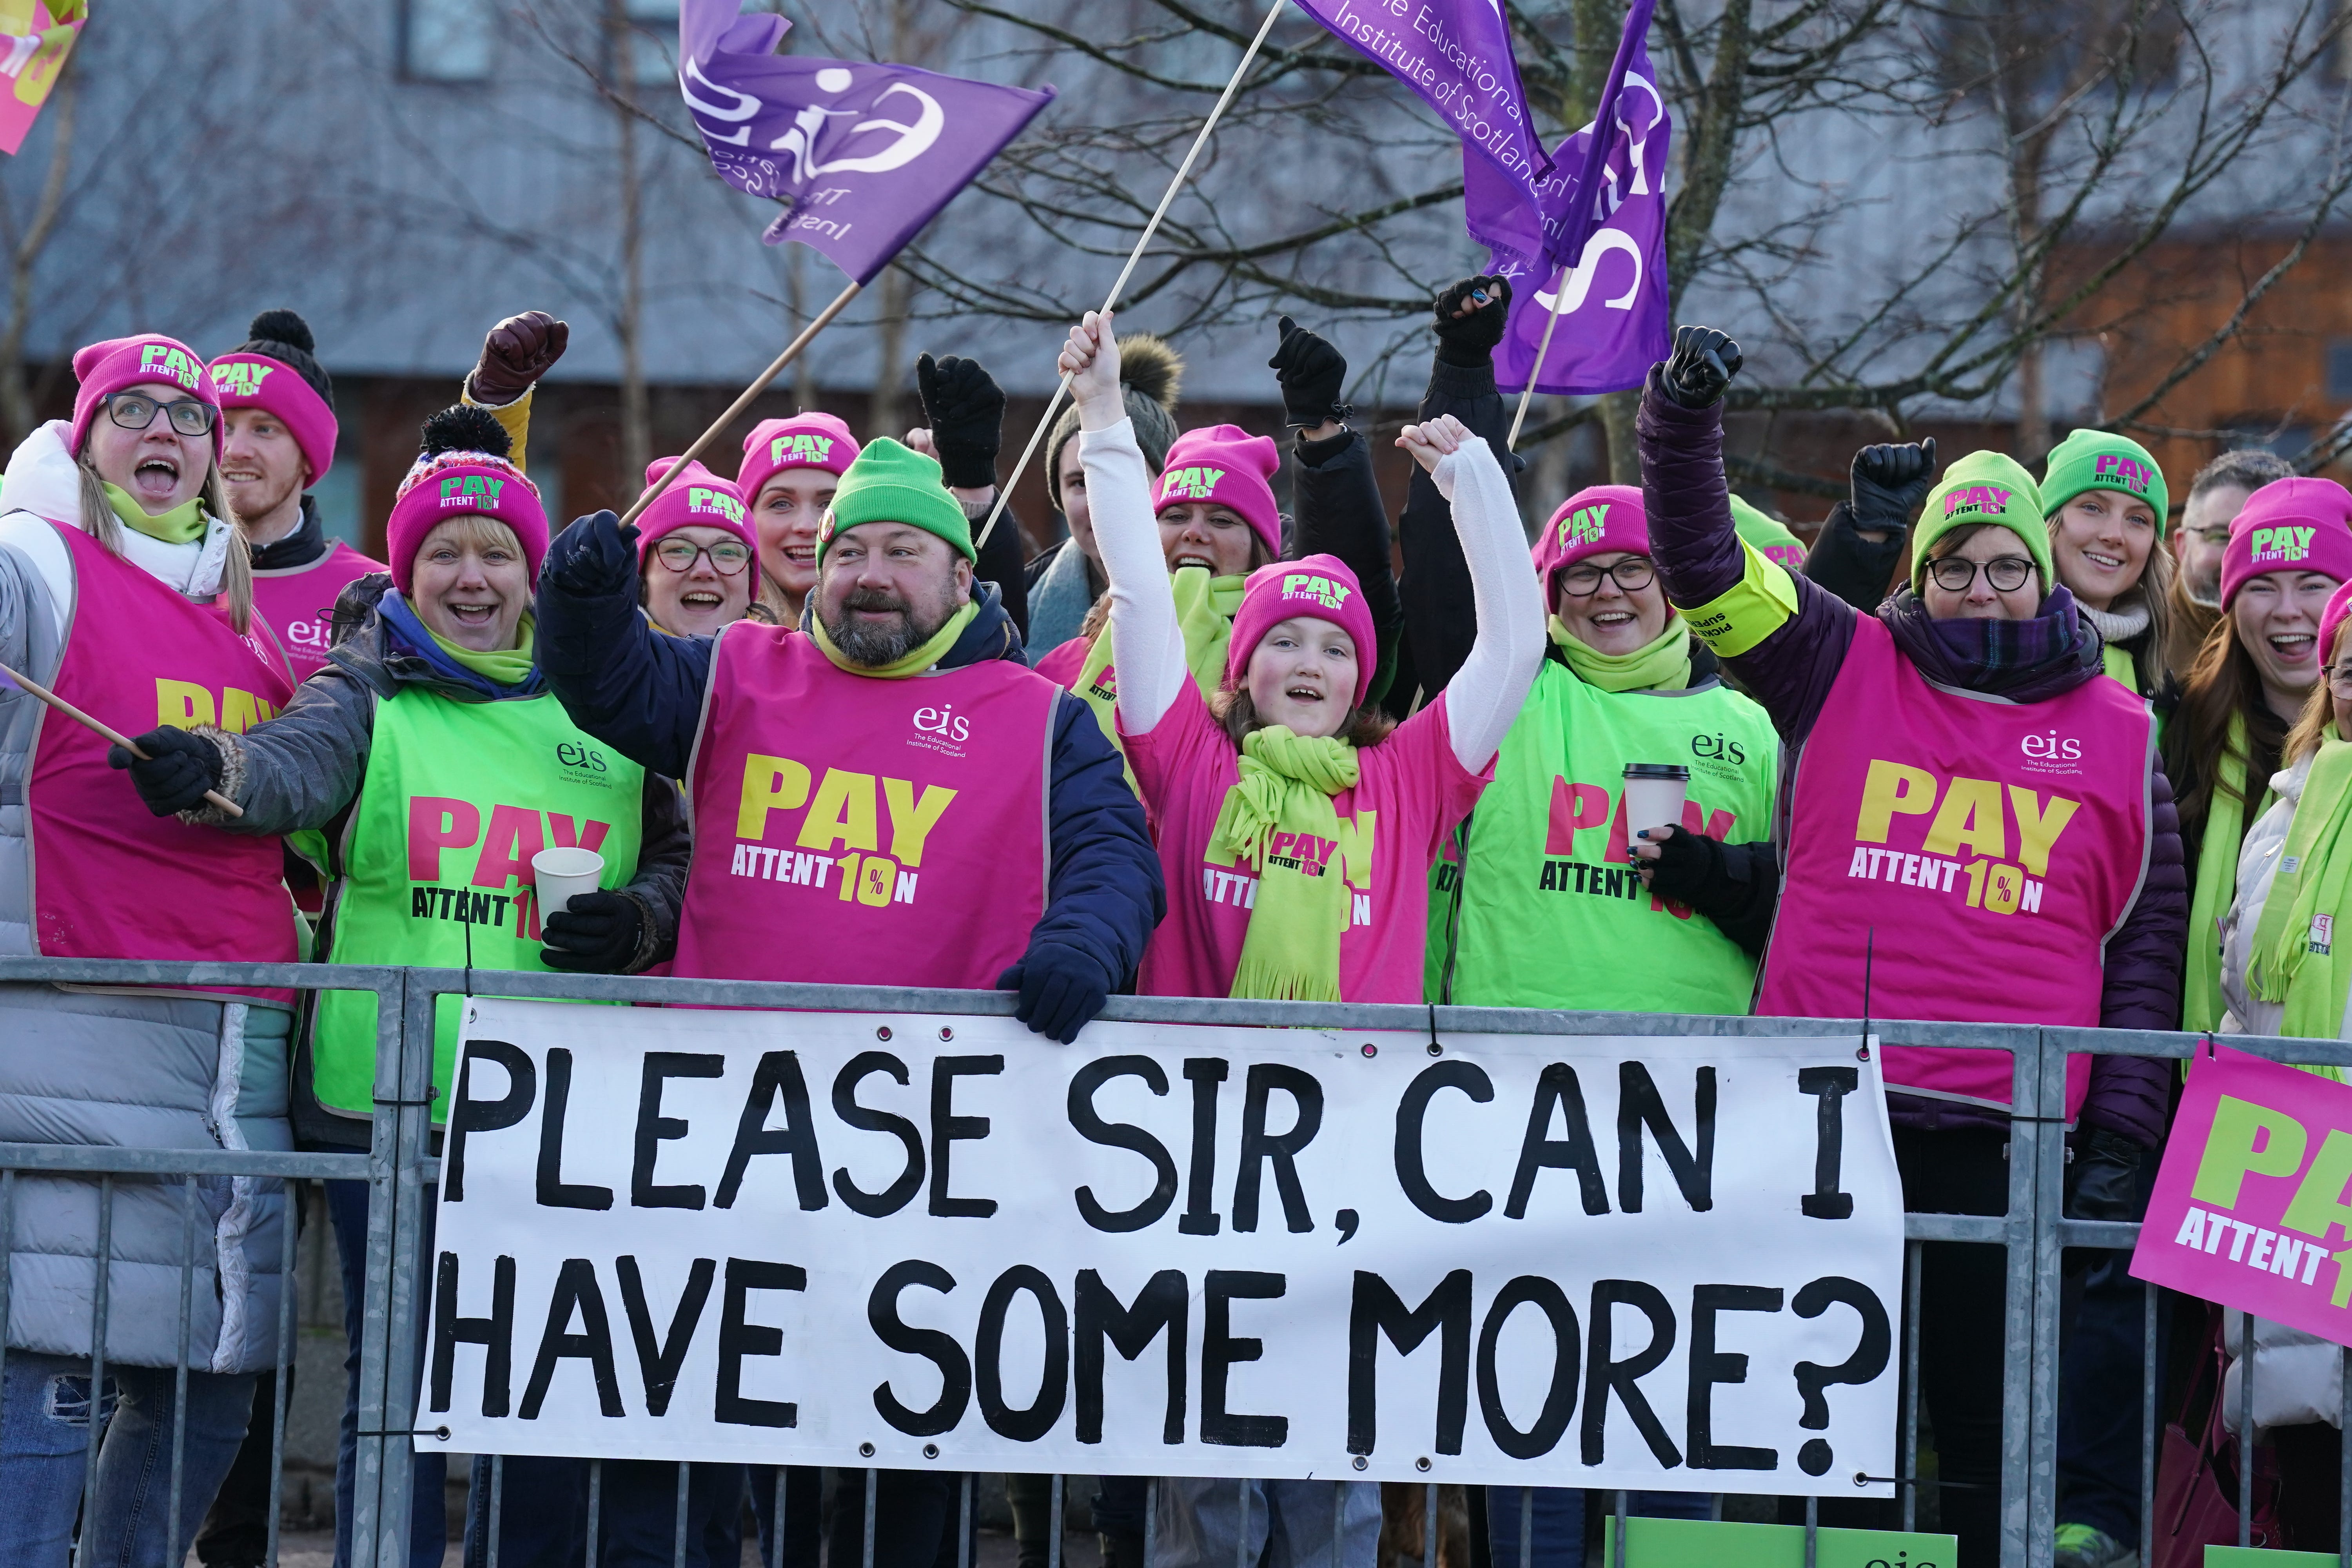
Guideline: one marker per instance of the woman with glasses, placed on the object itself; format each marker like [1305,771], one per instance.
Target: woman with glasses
[1977,830]
[694,551]
[2289,550]
[1516,889]
[125,587]
[439,763]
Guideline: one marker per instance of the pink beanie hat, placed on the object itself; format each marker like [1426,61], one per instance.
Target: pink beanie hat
[2331,621]
[452,483]
[695,499]
[2290,525]
[257,381]
[1228,467]
[1601,520]
[1316,585]
[107,368]
[804,441]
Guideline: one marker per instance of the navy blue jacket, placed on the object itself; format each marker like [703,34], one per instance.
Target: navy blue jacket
[640,691]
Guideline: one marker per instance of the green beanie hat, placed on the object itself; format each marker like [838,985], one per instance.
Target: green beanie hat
[1983,487]
[2096,460]
[1768,535]
[891,483]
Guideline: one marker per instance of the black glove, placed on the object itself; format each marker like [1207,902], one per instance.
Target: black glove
[1689,867]
[965,409]
[1312,373]
[1061,989]
[179,767]
[598,934]
[593,557]
[1470,340]
[2103,1179]
[1890,481]
[515,354]
[1702,365]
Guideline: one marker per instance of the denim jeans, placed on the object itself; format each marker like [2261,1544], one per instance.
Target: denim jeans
[543,1510]
[1290,1524]
[428,1528]
[1559,1521]
[44,1439]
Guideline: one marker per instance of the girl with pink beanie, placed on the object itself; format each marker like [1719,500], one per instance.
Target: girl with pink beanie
[1296,824]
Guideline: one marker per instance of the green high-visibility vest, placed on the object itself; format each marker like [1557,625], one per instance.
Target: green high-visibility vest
[456,799]
[1550,915]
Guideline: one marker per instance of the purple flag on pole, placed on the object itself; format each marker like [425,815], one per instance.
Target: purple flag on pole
[1605,206]
[861,155]
[1456,54]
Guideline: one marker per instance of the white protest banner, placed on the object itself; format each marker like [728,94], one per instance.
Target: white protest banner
[911,1241]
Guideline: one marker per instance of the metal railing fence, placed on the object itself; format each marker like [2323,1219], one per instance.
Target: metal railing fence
[399,1168]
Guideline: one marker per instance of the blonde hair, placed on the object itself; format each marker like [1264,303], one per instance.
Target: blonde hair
[471,528]
[98,520]
[2318,720]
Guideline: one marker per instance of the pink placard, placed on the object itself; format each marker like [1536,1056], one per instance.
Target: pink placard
[29,64]
[2250,1207]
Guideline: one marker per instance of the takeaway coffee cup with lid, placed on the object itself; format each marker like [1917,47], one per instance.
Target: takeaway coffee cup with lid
[1654,795]
[559,874]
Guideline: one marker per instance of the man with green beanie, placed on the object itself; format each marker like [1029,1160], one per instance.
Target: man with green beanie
[2104,502]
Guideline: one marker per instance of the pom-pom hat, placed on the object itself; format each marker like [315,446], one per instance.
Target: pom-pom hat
[274,372]
[463,469]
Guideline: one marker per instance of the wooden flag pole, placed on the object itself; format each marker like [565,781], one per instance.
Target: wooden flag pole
[776,368]
[1535,371]
[1151,230]
[36,689]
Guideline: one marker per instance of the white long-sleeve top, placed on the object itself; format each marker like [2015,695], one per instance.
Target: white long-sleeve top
[1147,645]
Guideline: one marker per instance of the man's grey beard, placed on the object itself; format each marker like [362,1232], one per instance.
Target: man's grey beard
[875,646]
[2208,595]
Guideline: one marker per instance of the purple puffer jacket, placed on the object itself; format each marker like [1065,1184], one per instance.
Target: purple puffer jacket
[1790,672]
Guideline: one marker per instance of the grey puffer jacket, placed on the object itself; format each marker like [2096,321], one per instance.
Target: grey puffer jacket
[126,1070]
[303,769]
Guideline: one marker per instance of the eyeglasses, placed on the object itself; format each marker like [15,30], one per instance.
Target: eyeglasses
[1631,575]
[188,416]
[1955,574]
[727,557]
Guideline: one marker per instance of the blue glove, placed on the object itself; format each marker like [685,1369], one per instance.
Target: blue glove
[1061,989]
[594,557]
[175,772]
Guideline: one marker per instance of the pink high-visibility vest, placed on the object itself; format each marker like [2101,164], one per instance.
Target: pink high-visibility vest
[1982,851]
[301,601]
[109,880]
[861,831]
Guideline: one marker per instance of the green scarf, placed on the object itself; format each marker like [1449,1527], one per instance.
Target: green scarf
[184,524]
[2313,875]
[1292,951]
[2217,884]
[913,663]
[508,666]
[1664,666]
[1205,607]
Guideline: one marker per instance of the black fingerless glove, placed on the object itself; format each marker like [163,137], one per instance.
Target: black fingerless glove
[1470,340]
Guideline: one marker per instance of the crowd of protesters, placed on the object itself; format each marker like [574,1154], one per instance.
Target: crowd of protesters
[1188,682]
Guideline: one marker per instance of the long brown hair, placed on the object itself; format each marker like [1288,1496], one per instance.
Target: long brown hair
[1238,714]
[2222,685]
[98,521]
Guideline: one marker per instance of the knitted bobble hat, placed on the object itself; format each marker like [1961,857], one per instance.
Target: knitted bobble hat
[274,371]
[1150,375]
[463,468]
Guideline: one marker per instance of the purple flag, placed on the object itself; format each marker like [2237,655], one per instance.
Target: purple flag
[1456,54]
[1606,205]
[861,155]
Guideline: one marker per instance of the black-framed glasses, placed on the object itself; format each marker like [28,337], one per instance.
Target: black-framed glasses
[136,411]
[1630,575]
[727,558]
[1955,573]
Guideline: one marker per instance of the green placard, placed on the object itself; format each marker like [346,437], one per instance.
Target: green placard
[2252,1557]
[1705,1543]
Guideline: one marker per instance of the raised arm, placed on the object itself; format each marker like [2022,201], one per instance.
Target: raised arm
[1436,597]
[1784,637]
[1861,546]
[1484,695]
[1147,645]
[636,689]
[1335,500]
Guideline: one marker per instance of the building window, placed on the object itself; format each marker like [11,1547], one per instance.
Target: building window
[2339,370]
[653,41]
[447,40]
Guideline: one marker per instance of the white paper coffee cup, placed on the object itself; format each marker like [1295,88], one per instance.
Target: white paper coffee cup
[559,874]
[1654,795]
